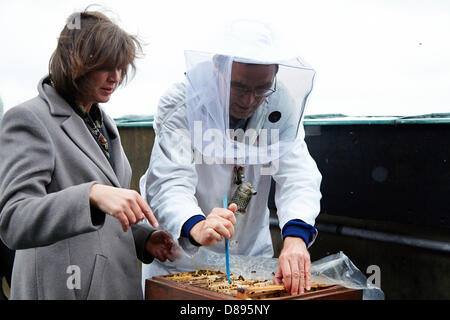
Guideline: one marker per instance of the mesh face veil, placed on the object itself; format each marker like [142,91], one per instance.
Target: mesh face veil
[245,101]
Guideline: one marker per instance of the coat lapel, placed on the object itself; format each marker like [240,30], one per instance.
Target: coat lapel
[121,164]
[76,129]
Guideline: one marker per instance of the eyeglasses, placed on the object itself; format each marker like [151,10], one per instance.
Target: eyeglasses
[240,90]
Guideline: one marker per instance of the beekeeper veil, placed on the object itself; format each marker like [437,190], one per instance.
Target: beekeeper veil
[245,100]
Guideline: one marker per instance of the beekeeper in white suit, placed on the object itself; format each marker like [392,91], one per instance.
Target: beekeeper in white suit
[231,126]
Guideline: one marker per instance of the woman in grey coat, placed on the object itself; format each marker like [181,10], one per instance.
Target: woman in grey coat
[65,205]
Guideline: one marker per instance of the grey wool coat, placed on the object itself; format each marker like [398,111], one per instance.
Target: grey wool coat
[65,248]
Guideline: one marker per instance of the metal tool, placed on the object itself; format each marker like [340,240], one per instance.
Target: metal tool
[243,193]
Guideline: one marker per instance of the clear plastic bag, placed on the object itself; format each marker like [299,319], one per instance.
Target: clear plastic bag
[335,269]
[339,269]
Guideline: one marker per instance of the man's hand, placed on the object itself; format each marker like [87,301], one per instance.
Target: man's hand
[294,266]
[218,224]
[125,205]
[161,246]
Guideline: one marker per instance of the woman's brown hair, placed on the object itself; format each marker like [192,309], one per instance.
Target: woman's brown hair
[92,43]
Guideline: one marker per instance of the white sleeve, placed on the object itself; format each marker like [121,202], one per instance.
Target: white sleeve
[170,182]
[297,192]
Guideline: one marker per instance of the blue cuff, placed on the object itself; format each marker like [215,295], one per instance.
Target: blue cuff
[187,226]
[298,228]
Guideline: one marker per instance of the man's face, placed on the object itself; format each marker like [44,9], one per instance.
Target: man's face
[247,80]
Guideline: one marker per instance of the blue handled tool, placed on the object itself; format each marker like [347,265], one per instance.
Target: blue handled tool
[227,251]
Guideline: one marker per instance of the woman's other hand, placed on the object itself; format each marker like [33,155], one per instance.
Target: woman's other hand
[161,246]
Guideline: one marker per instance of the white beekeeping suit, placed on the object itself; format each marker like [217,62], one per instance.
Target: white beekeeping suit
[198,147]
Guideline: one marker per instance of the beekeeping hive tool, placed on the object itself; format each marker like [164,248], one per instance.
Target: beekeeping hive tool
[227,251]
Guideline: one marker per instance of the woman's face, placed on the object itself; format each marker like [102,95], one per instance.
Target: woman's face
[101,85]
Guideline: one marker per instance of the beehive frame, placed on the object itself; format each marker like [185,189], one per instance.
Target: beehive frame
[165,288]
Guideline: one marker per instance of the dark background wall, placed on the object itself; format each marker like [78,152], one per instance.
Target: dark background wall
[387,180]
[392,180]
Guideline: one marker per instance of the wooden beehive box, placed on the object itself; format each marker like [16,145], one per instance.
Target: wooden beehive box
[212,285]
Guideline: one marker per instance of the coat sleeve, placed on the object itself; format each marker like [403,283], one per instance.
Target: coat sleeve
[297,191]
[141,232]
[29,216]
[170,182]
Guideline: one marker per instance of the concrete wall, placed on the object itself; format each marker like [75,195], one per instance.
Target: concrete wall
[137,143]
